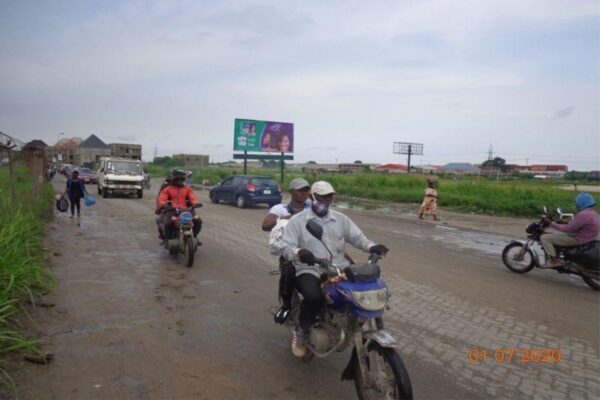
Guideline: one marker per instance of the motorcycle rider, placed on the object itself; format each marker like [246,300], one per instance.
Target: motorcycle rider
[180,196]
[299,189]
[583,229]
[303,249]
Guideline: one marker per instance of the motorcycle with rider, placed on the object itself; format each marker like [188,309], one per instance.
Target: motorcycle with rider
[336,304]
[575,251]
[179,226]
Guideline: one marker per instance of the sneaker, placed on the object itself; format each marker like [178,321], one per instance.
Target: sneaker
[298,348]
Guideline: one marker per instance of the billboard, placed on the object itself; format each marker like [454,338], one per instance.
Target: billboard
[263,136]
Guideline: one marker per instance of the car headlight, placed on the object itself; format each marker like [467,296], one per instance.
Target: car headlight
[371,300]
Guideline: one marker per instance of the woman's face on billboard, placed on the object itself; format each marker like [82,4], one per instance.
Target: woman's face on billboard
[284,144]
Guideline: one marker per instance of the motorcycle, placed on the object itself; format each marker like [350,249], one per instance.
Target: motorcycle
[581,260]
[183,241]
[354,302]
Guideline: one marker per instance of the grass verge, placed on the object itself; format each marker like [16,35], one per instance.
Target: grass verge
[23,277]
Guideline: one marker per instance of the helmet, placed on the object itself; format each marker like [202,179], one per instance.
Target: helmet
[177,174]
[584,200]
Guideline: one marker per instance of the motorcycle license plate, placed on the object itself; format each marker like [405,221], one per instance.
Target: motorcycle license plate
[266,191]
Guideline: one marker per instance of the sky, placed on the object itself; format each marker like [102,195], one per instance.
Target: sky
[458,76]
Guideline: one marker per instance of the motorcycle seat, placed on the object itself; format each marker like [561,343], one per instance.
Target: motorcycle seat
[362,272]
[587,255]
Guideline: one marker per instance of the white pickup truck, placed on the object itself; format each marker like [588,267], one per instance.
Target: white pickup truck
[120,175]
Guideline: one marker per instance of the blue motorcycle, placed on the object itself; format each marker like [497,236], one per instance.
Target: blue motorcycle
[354,302]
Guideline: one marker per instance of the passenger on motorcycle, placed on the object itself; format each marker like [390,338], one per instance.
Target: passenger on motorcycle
[303,249]
[299,189]
[158,210]
[180,197]
[583,229]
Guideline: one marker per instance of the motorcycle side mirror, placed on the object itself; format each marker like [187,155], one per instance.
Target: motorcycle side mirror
[558,211]
[315,229]
[545,210]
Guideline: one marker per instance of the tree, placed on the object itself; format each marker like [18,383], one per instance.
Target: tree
[357,162]
[496,163]
[311,162]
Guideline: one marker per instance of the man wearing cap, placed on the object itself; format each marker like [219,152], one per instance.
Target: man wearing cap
[303,249]
[299,189]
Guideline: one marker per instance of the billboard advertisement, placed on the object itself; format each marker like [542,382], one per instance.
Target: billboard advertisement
[263,136]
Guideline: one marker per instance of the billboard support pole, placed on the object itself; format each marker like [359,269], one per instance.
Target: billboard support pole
[282,164]
[245,162]
[410,149]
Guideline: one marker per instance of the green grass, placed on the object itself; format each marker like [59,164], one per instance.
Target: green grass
[513,197]
[23,278]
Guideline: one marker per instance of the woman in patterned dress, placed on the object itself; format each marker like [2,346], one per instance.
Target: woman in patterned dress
[429,205]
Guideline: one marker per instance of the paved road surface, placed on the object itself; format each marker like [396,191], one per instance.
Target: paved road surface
[131,322]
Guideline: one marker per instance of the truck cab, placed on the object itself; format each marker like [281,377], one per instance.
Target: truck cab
[120,175]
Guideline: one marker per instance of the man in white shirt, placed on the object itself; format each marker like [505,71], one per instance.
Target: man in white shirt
[299,189]
[303,249]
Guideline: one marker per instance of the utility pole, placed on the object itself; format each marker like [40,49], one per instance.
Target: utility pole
[491,153]
[155,151]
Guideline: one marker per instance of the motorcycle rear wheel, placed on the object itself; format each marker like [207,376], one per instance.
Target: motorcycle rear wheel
[517,259]
[591,282]
[189,251]
[396,383]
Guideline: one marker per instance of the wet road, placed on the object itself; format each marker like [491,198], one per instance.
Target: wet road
[132,322]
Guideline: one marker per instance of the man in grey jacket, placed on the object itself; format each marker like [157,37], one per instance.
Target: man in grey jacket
[303,249]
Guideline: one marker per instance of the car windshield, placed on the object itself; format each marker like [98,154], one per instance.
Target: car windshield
[124,167]
[264,181]
[84,171]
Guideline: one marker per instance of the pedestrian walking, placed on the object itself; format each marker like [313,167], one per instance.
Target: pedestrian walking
[429,205]
[75,191]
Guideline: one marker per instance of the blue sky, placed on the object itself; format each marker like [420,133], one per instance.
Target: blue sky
[353,76]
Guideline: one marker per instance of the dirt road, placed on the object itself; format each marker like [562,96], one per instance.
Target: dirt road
[131,322]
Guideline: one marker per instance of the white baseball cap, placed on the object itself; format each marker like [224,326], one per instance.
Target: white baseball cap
[298,183]
[322,188]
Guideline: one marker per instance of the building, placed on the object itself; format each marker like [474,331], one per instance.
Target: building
[460,168]
[427,169]
[193,160]
[126,150]
[391,168]
[91,149]
[354,167]
[65,151]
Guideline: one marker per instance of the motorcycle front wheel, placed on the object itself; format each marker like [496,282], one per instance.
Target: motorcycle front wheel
[189,251]
[517,258]
[387,375]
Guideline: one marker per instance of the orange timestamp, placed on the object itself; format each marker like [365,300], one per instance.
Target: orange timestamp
[511,354]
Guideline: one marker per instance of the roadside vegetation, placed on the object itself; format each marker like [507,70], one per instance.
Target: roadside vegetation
[518,196]
[23,277]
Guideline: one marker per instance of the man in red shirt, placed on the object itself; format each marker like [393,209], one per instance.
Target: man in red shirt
[177,196]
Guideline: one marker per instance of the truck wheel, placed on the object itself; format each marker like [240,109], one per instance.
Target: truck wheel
[99,190]
[140,193]
[104,193]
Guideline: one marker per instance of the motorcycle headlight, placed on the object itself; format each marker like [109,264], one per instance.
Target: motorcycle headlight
[185,217]
[371,300]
